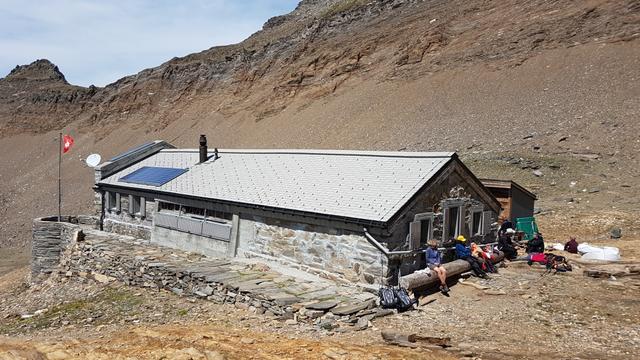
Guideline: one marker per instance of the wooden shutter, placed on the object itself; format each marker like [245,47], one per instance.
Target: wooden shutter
[486,222]
[414,235]
[445,227]
[132,209]
[165,220]
[107,201]
[430,220]
[216,230]
[143,206]
[461,223]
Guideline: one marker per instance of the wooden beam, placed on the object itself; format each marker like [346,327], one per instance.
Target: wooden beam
[414,340]
[454,268]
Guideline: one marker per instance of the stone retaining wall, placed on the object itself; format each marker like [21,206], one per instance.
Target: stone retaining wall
[51,238]
[210,279]
[87,260]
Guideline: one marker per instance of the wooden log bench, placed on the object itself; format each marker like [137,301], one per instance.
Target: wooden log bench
[454,268]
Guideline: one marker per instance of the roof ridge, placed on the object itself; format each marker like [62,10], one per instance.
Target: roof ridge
[420,154]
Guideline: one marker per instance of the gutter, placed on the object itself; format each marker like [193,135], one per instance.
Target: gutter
[385,251]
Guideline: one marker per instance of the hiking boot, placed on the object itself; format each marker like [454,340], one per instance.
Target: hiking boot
[444,289]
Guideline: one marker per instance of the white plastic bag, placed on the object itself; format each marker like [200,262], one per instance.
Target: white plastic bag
[605,253]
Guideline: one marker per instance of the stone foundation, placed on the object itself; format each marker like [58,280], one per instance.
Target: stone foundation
[124,223]
[138,231]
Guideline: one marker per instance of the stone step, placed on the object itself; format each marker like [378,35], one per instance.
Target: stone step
[322,305]
[348,309]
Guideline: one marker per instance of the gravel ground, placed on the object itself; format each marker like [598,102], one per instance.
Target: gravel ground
[523,313]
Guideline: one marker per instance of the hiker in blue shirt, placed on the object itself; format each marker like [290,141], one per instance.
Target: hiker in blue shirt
[464,253]
[434,262]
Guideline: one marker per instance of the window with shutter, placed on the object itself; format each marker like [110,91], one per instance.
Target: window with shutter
[453,219]
[476,221]
[426,228]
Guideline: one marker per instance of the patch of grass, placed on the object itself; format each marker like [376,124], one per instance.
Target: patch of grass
[342,7]
[124,300]
[183,312]
[105,306]
[69,310]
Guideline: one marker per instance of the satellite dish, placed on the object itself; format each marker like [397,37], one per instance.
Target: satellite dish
[93,160]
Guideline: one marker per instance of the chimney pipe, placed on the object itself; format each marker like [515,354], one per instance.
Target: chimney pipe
[203,148]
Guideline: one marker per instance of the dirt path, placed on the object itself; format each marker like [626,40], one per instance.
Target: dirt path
[201,342]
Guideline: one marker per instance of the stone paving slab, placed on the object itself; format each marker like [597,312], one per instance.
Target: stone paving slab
[349,309]
[322,305]
[325,293]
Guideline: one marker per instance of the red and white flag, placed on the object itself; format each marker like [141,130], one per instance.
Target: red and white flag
[67,142]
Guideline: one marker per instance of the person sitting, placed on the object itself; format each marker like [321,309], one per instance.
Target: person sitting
[505,244]
[434,262]
[536,245]
[571,246]
[464,253]
[489,252]
[487,264]
[489,256]
[506,224]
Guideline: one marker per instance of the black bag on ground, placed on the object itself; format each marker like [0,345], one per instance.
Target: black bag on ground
[387,297]
[404,302]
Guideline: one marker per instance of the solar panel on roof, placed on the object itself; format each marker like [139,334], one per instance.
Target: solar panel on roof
[154,176]
[131,151]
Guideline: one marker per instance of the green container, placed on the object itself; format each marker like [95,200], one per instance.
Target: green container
[528,226]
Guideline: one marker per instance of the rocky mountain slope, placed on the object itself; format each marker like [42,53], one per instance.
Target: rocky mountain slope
[512,85]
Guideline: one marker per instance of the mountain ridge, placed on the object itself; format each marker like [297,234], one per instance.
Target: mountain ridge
[295,55]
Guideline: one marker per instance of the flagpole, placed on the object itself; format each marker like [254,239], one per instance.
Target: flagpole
[59,177]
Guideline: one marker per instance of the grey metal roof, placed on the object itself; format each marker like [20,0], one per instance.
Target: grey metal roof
[367,185]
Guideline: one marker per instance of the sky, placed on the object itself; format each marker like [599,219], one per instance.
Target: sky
[98,42]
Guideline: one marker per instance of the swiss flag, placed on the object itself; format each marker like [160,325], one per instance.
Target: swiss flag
[67,142]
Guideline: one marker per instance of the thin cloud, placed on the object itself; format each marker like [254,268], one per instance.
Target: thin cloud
[98,42]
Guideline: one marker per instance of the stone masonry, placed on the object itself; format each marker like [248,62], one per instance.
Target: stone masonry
[121,222]
[51,238]
[255,287]
[328,252]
